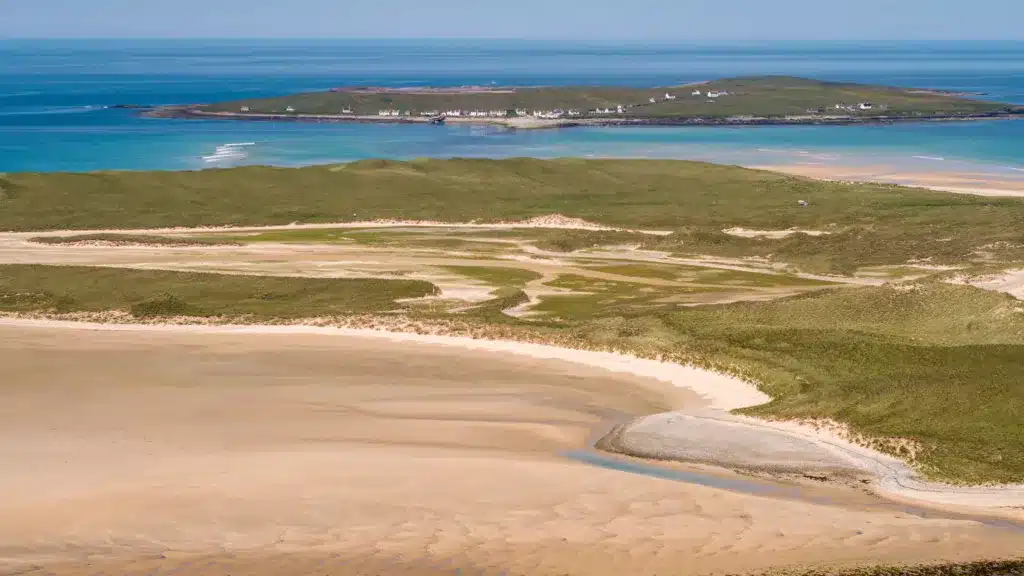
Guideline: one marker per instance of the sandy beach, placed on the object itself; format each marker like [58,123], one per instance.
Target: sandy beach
[961,183]
[248,453]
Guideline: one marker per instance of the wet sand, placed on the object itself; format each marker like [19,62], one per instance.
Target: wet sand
[155,452]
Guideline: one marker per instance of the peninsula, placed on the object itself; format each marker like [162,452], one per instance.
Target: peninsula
[739,101]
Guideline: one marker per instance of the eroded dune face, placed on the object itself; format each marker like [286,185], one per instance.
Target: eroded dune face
[256,454]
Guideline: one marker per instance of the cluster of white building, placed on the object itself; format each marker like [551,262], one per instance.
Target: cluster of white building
[711,94]
[476,113]
[860,106]
[459,113]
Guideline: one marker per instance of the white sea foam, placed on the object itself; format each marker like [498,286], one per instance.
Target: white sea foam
[936,158]
[230,152]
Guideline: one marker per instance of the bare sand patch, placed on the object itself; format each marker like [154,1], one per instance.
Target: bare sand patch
[1010,282]
[212,452]
[943,181]
[799,448]
[774,234]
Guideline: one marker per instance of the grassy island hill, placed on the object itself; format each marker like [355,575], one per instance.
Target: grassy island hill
[760,97]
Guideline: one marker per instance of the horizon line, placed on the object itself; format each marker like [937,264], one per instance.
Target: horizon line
[515,39]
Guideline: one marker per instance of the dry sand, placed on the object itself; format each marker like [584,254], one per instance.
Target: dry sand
[1009,281]
[205,452]
[774,234]
[961,183]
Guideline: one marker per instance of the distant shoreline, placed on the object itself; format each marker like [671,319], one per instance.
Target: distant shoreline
[192,112]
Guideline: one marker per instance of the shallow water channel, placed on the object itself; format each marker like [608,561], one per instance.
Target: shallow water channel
[758,487]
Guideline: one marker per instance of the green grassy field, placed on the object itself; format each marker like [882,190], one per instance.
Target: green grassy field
[774,96]
[872,224]
[25,288]
[503,277]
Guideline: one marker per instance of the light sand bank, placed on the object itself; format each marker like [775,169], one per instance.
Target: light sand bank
[960,183]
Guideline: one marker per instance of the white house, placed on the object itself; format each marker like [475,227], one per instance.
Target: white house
[574,112]
[652,100]
[521,112]
[619,109]
[669,96]
[865,105]
[717,93]
[289,109]
[454,113]
[695,93]
[548,114]
[387,112]
[347,110]
[245,108]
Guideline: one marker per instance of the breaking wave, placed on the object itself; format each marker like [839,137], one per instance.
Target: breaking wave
[229,153]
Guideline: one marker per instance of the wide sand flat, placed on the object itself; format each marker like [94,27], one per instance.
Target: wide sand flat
[237,454]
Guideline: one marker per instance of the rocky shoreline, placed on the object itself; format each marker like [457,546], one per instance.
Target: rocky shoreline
[194,112]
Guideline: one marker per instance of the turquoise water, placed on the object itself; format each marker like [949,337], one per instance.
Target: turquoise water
[54,97]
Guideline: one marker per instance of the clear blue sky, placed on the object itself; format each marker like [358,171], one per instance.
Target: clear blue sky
[675,20]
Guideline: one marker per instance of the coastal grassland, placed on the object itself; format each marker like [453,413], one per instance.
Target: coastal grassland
[130,239]
[870,224]
[772,96]
[938,366]
[31,288]
[596,298]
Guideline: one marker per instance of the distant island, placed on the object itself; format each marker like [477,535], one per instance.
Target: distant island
[752,100]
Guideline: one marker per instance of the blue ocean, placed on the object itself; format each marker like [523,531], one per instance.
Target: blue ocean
[55,98]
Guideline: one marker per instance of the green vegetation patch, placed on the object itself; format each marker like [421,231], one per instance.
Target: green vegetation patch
[496,275]
[385,238]
[31,288]
[703,275]
[599,298]
[114,238]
